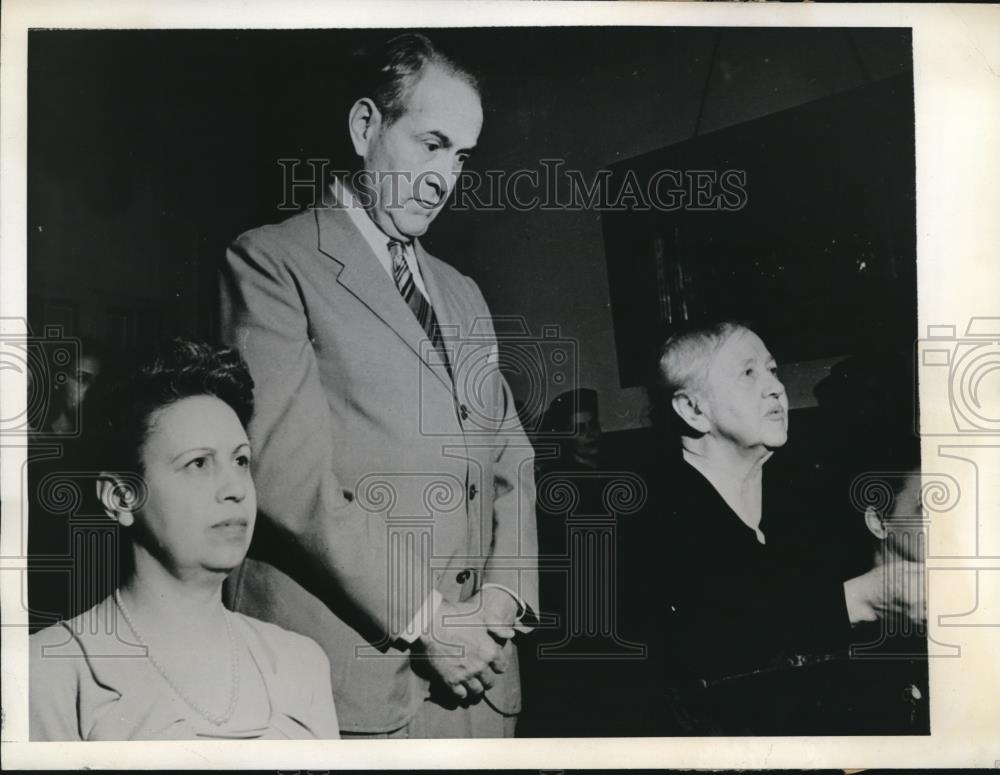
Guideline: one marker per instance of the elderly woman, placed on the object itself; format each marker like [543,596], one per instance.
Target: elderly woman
[749,588]
[162,658]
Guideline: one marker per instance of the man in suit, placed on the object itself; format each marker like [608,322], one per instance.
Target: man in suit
[395,482]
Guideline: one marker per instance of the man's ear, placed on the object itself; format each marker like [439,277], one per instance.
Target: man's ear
[687,409]
[875,523]
[117,498]
[363,121]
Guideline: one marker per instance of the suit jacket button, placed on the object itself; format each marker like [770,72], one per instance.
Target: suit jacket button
[472,492]
[463,576]
[464,412]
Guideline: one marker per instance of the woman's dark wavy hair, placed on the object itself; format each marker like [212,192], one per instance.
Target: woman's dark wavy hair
[119,409]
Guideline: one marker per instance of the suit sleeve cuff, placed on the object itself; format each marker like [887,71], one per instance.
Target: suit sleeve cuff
[525,620]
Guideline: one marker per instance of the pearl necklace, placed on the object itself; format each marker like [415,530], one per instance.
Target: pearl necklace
[234,688]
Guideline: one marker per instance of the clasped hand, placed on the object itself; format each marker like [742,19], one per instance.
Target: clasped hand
[464,648]
[892,588]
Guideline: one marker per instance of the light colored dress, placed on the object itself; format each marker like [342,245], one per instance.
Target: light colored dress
[91,680]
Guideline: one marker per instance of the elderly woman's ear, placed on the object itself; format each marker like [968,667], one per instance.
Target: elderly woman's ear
[688,410]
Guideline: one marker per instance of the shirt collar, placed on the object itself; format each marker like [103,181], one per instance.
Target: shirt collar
[377,239]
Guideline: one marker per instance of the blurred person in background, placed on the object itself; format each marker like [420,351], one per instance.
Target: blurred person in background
[56,460]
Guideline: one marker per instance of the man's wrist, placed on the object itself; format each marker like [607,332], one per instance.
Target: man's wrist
[521,607]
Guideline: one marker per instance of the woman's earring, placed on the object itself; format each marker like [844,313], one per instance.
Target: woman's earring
[125,497]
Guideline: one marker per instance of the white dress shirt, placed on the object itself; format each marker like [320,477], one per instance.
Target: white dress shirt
[377,239]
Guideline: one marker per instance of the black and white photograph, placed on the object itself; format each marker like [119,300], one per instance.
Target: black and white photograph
[389,381]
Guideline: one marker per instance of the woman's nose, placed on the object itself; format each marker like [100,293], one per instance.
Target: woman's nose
[773,386]
[234,484]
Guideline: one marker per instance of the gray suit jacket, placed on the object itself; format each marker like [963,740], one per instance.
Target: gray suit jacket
[379,476]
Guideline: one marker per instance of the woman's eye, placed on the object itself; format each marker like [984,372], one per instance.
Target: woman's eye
[749,372]
[197,463]
[773,370]
[431,146]
[243,461]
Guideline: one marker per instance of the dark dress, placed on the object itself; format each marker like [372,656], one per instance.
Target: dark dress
[740,605]
[757,635]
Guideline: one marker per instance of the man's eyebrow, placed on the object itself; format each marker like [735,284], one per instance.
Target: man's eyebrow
[441,136]
[446,142]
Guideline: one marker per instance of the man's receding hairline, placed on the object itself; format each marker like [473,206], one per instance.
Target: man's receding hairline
[412,80]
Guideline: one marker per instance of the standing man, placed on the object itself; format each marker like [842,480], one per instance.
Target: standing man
[395,482]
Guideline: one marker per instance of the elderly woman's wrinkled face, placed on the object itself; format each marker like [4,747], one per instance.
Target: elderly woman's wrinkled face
[741,395]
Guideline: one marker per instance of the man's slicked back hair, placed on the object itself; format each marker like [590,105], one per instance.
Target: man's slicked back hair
[396,67]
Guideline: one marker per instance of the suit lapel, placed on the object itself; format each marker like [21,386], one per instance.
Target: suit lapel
[362,275]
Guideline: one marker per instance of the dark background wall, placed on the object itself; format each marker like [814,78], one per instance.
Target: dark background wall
[150,150]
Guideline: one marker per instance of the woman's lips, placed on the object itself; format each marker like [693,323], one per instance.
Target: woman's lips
[232,521]
[235,527]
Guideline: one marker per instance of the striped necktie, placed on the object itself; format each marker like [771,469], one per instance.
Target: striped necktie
[415,300]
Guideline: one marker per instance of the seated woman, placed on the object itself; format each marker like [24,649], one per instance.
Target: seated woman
[749,588]
[162,658]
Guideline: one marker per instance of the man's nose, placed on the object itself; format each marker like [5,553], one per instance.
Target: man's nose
[440,180]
